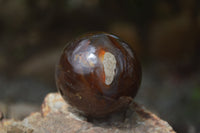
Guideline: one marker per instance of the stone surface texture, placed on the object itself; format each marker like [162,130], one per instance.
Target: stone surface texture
[57,116]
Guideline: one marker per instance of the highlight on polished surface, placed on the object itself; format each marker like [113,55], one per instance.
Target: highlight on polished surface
[98,74]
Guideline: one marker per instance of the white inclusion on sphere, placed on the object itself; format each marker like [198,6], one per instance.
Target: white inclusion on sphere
[109,64]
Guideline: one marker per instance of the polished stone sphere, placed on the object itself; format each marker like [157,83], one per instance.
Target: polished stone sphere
[98,74]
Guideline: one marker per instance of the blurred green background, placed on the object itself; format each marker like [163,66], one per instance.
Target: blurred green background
[165,34]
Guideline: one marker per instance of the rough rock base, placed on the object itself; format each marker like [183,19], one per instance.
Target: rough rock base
[56,117]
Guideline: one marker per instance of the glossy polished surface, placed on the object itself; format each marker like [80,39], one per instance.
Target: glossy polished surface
[97,74]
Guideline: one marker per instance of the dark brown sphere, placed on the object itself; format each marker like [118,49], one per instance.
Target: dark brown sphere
[98,74]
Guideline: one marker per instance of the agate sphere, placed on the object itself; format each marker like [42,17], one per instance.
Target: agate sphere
[98,74]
